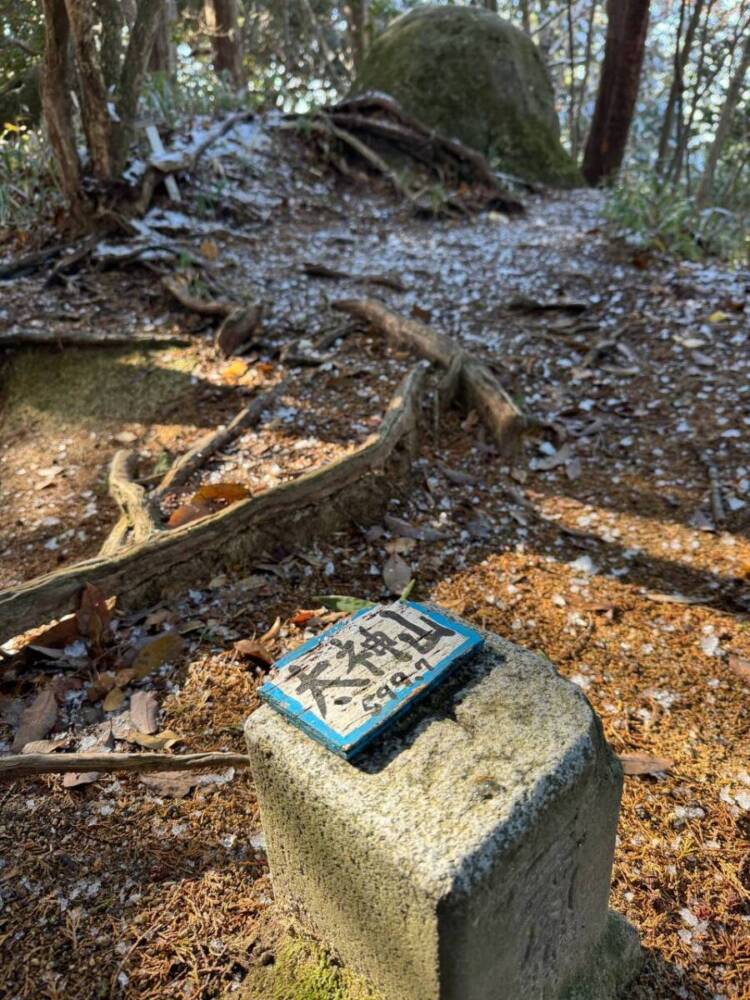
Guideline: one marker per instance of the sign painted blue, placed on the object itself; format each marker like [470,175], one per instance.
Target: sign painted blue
[346,685]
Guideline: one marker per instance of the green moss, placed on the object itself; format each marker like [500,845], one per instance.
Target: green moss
[304,971]
[93,388]
[469,74]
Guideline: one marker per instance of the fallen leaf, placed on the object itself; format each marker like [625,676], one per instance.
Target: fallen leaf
[341,602]
[114,700]
[740,665]
[36,720]
[471,420]
[59,635]
[272,632]
[189,512]
[125,437]
[222,492]
[72,779]
[304,615]
[93,616]
[159,741]
[45,746]
[396,574]
[144,711]
[154,652]
[234,371]
[241,325]
[560,457]
[170,784]
[101,685]
[209,249]
[255,650]
[400,546]
[643,763]
[718,317]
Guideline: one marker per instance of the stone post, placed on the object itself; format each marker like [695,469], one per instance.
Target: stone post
[467,854]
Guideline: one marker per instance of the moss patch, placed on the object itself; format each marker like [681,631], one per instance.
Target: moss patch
[94,389]
[472,75]
[302,970]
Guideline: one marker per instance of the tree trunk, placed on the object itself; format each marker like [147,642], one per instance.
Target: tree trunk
[134,69]
[627,25]
[163,53]
[357,13]
[586,71]
[93,90]
[56,102]
[682,54]
[222,20]
[734,91]
[110,13]
[526,16]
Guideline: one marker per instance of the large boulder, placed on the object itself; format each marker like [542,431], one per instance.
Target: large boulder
[473,76]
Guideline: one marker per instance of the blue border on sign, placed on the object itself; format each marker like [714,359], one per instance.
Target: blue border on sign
[349,746]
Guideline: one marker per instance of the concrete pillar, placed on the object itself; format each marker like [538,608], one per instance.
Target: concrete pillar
[467,854]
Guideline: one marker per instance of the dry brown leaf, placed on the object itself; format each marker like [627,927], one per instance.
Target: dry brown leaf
[114,700]
[189,512]
[220,492]
[99,687]
[254,650]
[304,615]
[272,632]
[36,720]
[209,249]
[154,652]
[399,546]
[72,779]
[396,573]
[93,616]
[740,665]
[159,741]
[144,711]
[643,763]
[45,746]
[170,784]
[59,635]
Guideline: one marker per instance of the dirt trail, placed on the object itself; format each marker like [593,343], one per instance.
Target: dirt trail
[601,547]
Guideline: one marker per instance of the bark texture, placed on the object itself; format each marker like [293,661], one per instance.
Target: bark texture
[627,26]
[222,19]
[56,102]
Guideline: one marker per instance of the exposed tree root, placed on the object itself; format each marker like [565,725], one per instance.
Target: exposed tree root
[378,130]
[466,376]
[130,497]
[354,487]
[14,766]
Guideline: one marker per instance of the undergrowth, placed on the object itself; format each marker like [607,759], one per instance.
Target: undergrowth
[27,188]
[657,216]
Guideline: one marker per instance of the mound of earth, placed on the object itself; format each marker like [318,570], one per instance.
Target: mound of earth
[474,77]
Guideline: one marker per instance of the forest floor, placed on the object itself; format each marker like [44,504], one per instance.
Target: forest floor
[600,547]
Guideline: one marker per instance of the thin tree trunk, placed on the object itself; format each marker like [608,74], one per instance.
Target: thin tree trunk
[111,15]
[572,82]
[56,102]
[526,16]
[222,19]
[93,90]
[163,53]
[357,12]
[133,73]
[586,70]
[681,57]
[726,118]
[618,88]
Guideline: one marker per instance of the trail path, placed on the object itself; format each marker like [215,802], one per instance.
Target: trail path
[617,544]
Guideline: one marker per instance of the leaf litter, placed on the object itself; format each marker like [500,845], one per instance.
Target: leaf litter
[593,560]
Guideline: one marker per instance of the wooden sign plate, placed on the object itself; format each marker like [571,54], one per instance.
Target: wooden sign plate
[346,685]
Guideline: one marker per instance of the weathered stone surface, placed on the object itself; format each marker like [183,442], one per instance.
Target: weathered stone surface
[473,76]
[468,855]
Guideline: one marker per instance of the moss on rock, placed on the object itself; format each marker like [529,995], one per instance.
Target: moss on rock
[475,77]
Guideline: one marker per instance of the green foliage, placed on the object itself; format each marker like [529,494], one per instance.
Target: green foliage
[659,216]
[27,187]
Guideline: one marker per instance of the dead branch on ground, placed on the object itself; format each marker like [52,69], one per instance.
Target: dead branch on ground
[473,380]
[14,766]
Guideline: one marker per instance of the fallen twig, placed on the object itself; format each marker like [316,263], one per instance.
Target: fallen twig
[14,766]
